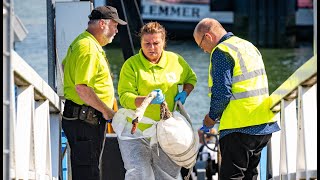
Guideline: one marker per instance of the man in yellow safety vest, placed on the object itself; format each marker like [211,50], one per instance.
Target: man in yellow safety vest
[238,87]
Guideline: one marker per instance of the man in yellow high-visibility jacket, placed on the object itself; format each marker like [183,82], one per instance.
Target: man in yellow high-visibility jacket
[238,87]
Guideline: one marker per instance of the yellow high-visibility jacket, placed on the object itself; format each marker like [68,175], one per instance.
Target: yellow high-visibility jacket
[250,103]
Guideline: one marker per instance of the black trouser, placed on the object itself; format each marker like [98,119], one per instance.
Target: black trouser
[85,142]
[240,155]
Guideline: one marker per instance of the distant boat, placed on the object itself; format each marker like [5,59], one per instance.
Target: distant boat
[180,16]
[182,11]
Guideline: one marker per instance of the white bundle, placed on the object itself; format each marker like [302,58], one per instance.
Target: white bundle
[173,132]
[178,140]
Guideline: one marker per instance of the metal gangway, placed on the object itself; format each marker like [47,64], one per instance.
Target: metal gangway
[32,118]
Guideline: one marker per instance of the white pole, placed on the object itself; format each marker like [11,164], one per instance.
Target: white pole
[7,89]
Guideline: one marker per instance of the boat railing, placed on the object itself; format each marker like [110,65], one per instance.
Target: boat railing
[35,127]
[292,153]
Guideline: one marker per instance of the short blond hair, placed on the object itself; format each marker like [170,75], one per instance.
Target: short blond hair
[153,28]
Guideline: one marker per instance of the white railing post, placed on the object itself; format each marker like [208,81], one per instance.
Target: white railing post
[288,143]
[274,152]
[307,132]
[41,140]
[55,135]
[23,141]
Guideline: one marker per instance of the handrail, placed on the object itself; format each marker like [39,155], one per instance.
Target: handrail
[24,75]
[305,75]
[36,124]
[292,152]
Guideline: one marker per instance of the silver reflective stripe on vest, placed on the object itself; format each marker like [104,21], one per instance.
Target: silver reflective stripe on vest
[241,61]
[252,93]
[248,75]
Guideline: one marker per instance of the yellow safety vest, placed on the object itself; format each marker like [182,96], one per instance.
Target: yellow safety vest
[250,102]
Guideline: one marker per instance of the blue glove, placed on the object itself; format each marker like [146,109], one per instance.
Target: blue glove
[206,129]
[182,96]
[159,98]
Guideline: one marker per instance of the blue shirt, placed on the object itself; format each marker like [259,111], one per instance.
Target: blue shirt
[222,73]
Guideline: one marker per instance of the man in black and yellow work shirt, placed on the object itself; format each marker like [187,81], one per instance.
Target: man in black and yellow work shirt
[89,92]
